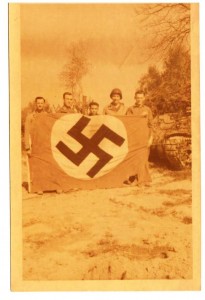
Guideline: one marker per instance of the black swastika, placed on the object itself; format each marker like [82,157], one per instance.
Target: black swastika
[90,145]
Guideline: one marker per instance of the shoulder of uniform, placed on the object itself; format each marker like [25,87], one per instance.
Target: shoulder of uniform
[110,105]
[30,115]
[62,109]
[122,105]
[130,107]
[107,106]
[147,107]
[129,110]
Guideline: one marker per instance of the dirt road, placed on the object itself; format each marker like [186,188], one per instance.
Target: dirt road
[112,233]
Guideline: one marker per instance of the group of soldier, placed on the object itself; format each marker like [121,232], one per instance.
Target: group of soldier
[115,108]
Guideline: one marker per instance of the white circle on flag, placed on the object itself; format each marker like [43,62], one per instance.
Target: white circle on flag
[60,134]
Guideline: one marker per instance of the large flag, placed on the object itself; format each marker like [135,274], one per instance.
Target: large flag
[87,152]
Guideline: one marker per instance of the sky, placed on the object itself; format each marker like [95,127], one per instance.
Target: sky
[115,49]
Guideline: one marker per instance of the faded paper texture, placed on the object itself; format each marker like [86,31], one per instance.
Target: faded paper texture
[131,237]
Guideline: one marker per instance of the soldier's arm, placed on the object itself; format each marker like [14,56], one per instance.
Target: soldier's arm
[105,110]
[124,110]
[60,110]
[150,125]
[27,133]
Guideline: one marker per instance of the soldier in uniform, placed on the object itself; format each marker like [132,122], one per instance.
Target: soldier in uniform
[68,105]
[116,107]
[141,110]
[93,108]
[40,109]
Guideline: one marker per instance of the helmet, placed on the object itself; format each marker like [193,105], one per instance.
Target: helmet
[116,92]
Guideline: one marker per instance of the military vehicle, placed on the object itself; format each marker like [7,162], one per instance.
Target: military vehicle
[172,140]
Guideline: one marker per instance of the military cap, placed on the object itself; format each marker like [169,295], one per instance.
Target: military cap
[116,92]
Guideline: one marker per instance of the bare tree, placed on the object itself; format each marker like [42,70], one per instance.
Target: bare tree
[76,68]
[167,27]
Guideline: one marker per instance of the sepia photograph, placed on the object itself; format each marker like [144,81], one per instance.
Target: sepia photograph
[104,139]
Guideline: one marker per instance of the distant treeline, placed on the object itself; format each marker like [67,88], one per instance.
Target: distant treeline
[166,91]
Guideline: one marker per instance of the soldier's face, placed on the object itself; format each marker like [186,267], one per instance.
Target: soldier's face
[116,98]
[40,103]
[68,100]
[94,110]
[139,99]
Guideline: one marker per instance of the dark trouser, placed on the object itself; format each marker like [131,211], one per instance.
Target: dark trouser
[143,170]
